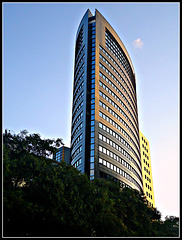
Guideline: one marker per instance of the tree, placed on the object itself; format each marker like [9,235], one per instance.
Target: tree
[168,228]
[41,198]
[106,218]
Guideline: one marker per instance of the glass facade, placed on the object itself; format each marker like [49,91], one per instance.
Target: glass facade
[105,133]
[92,96]
[62,154]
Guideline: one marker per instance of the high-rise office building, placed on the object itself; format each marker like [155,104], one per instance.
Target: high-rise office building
[62,154]
[105,130]
[148,188]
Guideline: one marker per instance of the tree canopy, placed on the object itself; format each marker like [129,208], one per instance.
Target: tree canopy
[45,199]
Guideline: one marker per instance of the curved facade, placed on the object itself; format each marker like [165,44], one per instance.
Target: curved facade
[105,130]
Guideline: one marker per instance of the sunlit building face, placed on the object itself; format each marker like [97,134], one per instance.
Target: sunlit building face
[148,188]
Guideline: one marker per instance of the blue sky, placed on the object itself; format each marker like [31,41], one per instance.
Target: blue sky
[38,62]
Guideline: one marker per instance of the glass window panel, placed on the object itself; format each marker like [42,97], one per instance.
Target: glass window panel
[93,39]
[93,111]
[92,134]
[92,76]
[92,153]
[104,162]
[92,117]
[92,100]
[93,49]
[91,165]
[92,96]
[93,90]
[92,128]
[93,85]
[92,81]
[92,106]
[91,146]
[91,159]
[93,57]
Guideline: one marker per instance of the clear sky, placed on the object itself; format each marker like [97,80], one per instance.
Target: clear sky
[38,61]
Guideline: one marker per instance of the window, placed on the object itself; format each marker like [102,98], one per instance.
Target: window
[93,90]
[91,146]
[92,96]
[108,165]
[93,80]
[91,165]
[92,123]
[93,86]
[92,134]
[92,111]
[92,153]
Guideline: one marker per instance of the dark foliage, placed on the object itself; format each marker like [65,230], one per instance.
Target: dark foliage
[44,199]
